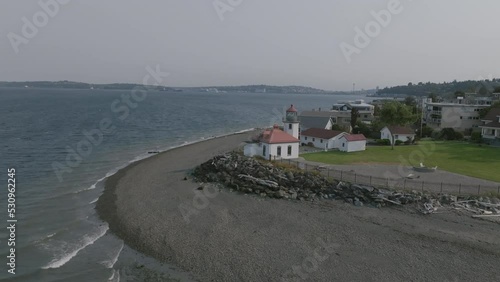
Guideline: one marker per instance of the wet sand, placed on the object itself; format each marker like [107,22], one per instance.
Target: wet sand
[234,237]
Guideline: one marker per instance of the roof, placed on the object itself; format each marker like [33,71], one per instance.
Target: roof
[314,122]
[321,133]
[492,114]
[316,114]
[354,137]
[394,129]
[276,135]
[494,124]
[292,109]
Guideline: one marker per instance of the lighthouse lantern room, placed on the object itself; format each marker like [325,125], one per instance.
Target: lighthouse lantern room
[291,122]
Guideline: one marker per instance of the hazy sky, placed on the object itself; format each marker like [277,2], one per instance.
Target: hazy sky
[280,42]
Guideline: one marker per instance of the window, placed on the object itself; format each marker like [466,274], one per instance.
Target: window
[289,150]
[396,136]
[289,126]
[321,140]
[264,150]
[279,151]
[343,144]
[305,137]
[314,139]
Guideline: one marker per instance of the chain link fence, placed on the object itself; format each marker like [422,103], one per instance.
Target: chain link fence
[395,183]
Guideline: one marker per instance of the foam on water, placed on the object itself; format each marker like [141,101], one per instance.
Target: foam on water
[113,278]
[185,143]
[44,238]
[111,263]
[87,240]
[245,130]
[93,186]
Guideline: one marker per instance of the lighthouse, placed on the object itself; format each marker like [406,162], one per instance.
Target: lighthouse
[291,122]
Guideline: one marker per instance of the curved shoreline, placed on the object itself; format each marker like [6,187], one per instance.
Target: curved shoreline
[245,238]
[106,204]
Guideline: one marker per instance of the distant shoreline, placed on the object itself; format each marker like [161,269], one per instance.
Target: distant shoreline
[251,89]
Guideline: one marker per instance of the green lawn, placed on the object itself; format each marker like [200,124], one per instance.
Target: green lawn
[459,157]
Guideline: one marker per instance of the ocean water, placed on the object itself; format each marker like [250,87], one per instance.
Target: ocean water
[59,236]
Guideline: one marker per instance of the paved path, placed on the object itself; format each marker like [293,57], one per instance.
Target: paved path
[378,174]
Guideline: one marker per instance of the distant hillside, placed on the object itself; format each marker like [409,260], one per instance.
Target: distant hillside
[129,86]
[72,85]
[484,87]
[262,89]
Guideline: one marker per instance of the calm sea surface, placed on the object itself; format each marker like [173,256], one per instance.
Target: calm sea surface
[58,234]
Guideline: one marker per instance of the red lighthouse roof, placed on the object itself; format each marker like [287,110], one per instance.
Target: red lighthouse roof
[292,109]
[276,135]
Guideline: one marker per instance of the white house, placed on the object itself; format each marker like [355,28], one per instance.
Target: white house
[352,143]
[490,131]
[321,138]
[400,133]
[275,143]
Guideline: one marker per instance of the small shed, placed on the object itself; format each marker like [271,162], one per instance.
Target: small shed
[352,143]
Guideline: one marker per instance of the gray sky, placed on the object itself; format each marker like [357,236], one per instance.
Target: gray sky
[281,42]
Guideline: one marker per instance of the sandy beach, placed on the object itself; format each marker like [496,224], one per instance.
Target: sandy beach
[226,236]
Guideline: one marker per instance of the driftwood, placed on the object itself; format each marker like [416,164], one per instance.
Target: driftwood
[262,182]
[429,208]
[390,201]
[486,215]
[462,207]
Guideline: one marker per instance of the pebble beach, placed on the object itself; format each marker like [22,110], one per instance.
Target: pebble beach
[218,235]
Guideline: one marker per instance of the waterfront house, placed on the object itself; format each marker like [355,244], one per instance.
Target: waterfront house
[490,130]
[394,133]
[316,119]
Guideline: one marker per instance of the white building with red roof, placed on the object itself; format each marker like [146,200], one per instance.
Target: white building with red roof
[352,143]
[275,143]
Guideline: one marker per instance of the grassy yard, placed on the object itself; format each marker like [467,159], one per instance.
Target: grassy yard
[459,157]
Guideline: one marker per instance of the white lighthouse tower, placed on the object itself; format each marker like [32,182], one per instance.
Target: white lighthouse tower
[291,122]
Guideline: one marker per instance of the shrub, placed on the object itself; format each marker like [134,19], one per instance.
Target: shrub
[436,135]
[475,137]
[426,131]
[383,142]
[398,142]
[448,134]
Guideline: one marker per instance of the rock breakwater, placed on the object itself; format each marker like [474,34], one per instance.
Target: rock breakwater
[278,180]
